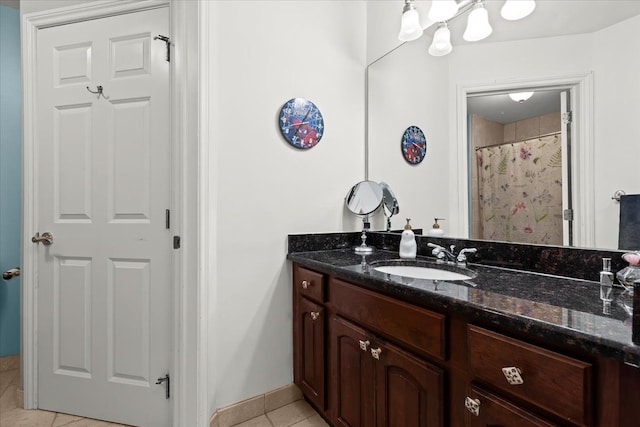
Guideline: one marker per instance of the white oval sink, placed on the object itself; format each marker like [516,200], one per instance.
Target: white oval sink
[421,272]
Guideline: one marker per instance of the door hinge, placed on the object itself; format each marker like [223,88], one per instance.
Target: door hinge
[167,219]
[176,242]
[567,214]
[567,117]
[167,42]
[167,380]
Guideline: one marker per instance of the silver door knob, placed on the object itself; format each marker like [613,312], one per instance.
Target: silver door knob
[11,273]
[46,238]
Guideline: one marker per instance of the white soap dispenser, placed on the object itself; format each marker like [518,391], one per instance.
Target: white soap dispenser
[408,245]
[436,231]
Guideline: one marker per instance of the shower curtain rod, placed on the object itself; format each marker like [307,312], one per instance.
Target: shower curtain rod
[520,140]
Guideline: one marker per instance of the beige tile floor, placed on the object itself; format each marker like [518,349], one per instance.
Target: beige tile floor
[296,414]
[12,416]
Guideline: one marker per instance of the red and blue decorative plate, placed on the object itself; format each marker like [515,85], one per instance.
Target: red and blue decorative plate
[414,145]
[301,123]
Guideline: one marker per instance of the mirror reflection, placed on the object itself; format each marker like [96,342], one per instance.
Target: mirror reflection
[390,203]
[594,56]
[364,197]
[516,167]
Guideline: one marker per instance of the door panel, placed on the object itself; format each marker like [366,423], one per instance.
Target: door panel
[129,330]
[72,317]
[409,391]
[104,314]
[312,348]
[72,163]
[352,375]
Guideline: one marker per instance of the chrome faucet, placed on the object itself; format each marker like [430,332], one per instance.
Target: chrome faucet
[442,253]
[462,258]
[448,256]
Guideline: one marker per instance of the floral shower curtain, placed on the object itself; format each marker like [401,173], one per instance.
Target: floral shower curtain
[520,188]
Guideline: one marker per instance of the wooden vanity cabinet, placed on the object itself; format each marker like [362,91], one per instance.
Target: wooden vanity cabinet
[485,409]
[556,383]
[364,359]
[374,383]
[309,338]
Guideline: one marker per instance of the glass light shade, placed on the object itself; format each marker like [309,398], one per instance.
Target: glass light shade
[517,9]
[410,28]
[520,96]
[442,10]
[478,26]
[441,44]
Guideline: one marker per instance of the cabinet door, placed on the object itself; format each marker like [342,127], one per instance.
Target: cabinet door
[310,351]
[352,375]
[489,410]
[409,391]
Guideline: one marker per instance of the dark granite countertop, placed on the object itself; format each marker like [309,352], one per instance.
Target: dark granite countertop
[559,310]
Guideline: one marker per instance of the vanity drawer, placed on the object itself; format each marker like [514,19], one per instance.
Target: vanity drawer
[308,283]
[554,382]
[416,327]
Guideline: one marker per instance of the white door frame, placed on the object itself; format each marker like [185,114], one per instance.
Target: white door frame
[189,199]
[582,154]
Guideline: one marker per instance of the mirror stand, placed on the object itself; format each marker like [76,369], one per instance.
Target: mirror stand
[364,198]
[363,249]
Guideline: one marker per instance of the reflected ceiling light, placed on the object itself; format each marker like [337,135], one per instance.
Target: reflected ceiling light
[478,26]
[520,97]
[517,9]
[441,44]
[410,28]
[442,10]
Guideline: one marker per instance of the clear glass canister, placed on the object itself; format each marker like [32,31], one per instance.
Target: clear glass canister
[631,273]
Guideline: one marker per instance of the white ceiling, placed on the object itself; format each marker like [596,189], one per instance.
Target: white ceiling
[550,18]
[502,109]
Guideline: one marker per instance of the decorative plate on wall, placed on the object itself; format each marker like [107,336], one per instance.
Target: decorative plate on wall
[414,145]
[301,123]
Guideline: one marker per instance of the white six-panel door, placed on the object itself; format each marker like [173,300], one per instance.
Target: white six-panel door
[103,286]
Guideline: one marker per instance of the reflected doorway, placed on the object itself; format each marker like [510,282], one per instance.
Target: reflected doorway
[519,167]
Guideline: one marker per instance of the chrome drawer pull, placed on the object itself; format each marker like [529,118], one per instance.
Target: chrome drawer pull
[305,284]
[513,375]
[472,405]
[375,352]
[364,345]
[315,315]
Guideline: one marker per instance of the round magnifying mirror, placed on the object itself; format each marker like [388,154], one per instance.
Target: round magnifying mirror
[364,198]
[389,199]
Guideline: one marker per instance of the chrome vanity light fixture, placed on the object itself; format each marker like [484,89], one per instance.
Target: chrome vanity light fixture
[478,26]
[441,44]
[517,9]
[410,28]
[443,11]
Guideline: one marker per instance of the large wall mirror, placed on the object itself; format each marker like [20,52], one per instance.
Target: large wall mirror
[581,54]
